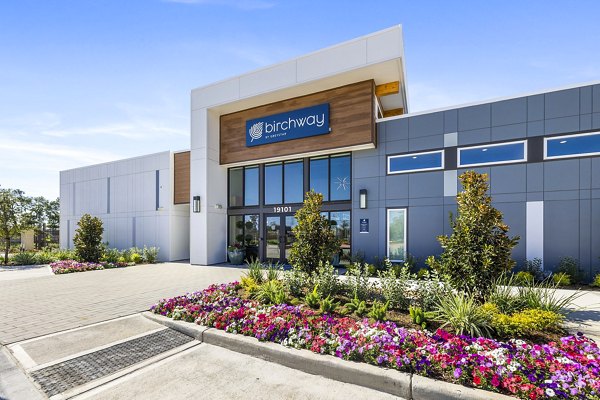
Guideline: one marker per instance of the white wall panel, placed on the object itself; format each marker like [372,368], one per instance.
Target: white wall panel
[534,241]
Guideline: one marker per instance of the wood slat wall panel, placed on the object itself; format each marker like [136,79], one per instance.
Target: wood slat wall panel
[181,180]
[352,123]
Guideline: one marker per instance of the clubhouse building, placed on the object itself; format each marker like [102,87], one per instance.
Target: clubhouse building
[338,121]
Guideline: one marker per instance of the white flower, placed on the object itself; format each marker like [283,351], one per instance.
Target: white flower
[550,392]
[590,356]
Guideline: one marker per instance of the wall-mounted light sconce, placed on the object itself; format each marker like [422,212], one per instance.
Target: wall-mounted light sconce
[363,198]
[196,204]
[218,206]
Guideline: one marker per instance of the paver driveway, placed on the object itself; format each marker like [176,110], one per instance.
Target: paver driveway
[42,305]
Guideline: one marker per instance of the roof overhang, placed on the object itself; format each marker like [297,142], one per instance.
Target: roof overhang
[378,56]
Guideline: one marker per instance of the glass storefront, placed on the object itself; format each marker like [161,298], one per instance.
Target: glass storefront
[263,221]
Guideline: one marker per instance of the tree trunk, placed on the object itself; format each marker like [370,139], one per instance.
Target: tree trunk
[6,250]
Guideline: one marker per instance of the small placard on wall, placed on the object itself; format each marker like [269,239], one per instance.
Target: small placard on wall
[364,225]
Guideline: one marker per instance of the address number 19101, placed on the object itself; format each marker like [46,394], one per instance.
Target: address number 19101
[282,209]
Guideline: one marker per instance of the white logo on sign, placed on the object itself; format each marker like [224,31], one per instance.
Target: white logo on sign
[256,131]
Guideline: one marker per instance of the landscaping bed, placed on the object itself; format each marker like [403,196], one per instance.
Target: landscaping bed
[566,368]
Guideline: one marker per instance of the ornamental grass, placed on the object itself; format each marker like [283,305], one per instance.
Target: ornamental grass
[567,368]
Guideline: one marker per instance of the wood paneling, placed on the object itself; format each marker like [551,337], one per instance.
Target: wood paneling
[181,172]
[393,112]
[351,120]
[387,89]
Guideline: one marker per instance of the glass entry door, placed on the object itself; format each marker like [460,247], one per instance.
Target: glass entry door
[279,237]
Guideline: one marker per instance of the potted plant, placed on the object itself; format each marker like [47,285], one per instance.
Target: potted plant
[236,253]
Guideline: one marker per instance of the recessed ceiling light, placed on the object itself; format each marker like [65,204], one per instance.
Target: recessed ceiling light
[484,150]
[414,157]
[562,141]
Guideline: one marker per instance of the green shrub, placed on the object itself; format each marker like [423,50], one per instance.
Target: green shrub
[504,297]
[149,255]
[313,299]
[273,271]
[561,278]
[25,258]
[45,257]
[423,273]
[326,279]
[393,288]
[255,271]
[357,281]
[111,255]
[424,293]
[462,312]
[596,281]
[249,285]
[296,281]
[379,310]
[479,249]
[357,306]
[327,305]
[270,292]
[419,316]
[136,258]
[65,254]
[545,296]
[524,278]
[88,238]
[526,322]
[570,267]
[315,242]
[534,267]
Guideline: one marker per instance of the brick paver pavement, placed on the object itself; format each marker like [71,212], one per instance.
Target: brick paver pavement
[42,305]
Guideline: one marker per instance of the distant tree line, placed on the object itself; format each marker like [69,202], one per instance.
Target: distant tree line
[19,212]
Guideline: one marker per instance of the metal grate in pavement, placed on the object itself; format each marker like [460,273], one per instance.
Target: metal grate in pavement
[75,372]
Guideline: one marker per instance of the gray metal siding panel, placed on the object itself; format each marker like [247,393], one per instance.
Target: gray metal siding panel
[424,225]
[585,100]
[563,103]
[426,125]
[475,136]
[509,112]
[426,184]
[561,231]
[508,132]
[561,175]
[535,128]
[426,143]
[596,98]
[474,117]
[396,129]
[561,125]
[515,217]
[508,179]
[535,108]
[450,121]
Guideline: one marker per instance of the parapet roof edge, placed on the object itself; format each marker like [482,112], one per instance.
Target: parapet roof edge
[493,100]
[121,160]
[266,67]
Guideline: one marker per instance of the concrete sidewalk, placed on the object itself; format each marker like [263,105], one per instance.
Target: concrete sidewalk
[585,317]
[46,304]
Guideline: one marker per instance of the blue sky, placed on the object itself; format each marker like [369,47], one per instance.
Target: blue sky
[88,81]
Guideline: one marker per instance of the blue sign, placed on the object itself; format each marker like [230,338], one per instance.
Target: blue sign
[305,122]
[364,225]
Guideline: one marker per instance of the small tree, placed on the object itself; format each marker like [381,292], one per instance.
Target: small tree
[315,241]
[479,249]
[14,216]
[88,238]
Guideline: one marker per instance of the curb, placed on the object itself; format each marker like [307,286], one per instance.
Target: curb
[402,384]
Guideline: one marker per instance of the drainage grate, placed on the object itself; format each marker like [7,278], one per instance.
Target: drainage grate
[68,374]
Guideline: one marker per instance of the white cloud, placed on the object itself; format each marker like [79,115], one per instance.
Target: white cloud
[241,4]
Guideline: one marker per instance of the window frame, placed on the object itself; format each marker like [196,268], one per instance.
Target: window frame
[459,164]
[390,157]
[591,154]
[387,228]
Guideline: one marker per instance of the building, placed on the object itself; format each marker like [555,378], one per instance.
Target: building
[338,121]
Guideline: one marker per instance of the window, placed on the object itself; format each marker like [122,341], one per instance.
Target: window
[340,224]
[243,186]
[585,144]
[501,153]
[319,176]
[415,162]
[243,229]
[340,178]
[236,187]
[396,234]
[294,182]
[251,186]
[273,183]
